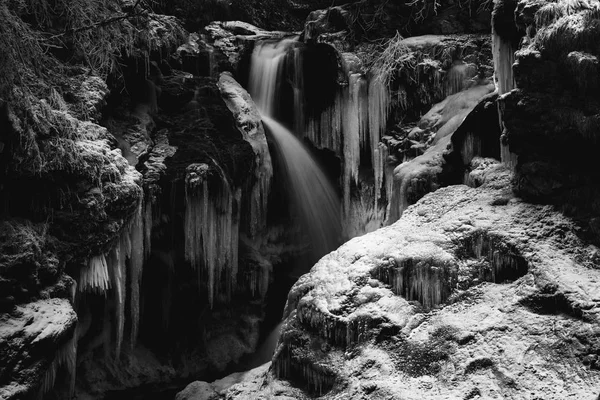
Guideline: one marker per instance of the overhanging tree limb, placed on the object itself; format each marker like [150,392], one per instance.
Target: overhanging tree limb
[104,22]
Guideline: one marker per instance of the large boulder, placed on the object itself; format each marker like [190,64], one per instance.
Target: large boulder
[36,344]
[473,293]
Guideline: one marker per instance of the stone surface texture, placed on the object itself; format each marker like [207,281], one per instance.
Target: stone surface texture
[354,329]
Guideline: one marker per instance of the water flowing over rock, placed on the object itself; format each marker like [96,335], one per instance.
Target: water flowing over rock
[311,193]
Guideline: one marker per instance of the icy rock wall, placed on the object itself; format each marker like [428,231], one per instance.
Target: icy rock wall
[351,126]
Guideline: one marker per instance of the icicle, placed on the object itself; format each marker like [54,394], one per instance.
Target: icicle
[508,158]
[94,276]
[136,263]
[419,280]
[117,268]
[398,201]
[213,68]
[325,131]
[378,112]
[352,137]
[455,78]
[211,231]
[402,98]
[148,223]
[298,87]
[504,58]
[471,148]
[66,357]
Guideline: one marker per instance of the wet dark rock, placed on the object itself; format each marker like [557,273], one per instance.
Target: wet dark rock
[552,117]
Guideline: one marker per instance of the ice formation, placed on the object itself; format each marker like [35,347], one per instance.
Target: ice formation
[426,281]
[379,104]
[288,365]
[105,272]
[136,233]
[94,276]
[471,148]
[65,357]
[118,267]
[212,216]
[504,58]
[456,77]
[504,263]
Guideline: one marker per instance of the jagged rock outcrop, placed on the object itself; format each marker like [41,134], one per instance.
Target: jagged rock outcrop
[552,116]
[472,293]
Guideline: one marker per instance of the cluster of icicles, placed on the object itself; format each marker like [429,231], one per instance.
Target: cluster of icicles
[107,274]
[504,57]
[351,126]
[104,272]
[212,218]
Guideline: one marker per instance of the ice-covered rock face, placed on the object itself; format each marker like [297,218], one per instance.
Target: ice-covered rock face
[471,293]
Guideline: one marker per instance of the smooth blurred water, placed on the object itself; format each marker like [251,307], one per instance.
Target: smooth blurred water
[313,197]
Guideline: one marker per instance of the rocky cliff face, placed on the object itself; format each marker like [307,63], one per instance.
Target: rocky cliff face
[121,192]
[551,118]
[135,181]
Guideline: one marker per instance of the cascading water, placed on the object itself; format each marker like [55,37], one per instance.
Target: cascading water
[313,196]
